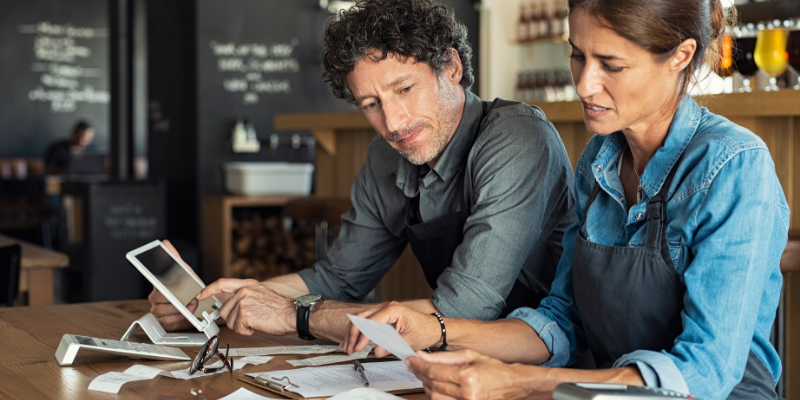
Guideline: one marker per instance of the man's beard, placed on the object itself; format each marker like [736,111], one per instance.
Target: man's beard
[437,140]
[419,154]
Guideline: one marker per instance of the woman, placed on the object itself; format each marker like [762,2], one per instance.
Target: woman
[671,279]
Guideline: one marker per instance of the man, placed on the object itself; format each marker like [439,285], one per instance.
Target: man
[480,190]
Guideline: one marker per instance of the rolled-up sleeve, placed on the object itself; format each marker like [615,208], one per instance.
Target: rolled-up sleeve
[521,180]
[656,369]
[551,334]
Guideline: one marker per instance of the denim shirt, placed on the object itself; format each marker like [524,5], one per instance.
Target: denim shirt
[728,225]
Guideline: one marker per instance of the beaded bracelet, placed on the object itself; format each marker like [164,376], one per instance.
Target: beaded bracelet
[443,347]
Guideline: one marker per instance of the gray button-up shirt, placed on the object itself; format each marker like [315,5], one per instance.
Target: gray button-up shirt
[511,167]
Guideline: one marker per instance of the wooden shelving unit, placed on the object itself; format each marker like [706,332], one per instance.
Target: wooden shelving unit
[216,224]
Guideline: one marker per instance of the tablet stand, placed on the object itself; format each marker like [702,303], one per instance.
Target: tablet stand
[158,335]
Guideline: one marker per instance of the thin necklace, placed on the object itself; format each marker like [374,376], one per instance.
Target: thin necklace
[638,180]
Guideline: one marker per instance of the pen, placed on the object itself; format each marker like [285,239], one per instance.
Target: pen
[360,368]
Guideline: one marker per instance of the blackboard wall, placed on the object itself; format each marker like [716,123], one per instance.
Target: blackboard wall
[54,71]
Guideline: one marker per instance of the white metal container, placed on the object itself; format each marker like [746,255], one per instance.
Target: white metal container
[268,178]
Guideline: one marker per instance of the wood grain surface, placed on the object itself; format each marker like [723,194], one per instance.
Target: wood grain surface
[29,337]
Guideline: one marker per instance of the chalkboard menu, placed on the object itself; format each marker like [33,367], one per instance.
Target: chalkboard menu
[256,58]
[53,72]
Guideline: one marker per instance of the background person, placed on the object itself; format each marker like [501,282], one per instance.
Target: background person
[59,153]
[455,177]
[670,277]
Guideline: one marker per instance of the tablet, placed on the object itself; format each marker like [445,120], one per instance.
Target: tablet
[176,281]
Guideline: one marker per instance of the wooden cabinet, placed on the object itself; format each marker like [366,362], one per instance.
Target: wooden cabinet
[217,224]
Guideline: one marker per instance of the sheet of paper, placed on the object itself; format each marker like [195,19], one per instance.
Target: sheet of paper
[244,394]
[325,360]
[383,335]
[334,379]
[364,394]
[276,350]
[112,382]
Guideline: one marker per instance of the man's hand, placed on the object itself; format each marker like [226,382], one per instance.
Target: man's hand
[253,307]
[420,330]
[465,374]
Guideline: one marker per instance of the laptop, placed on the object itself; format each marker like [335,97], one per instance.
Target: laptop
[87,164]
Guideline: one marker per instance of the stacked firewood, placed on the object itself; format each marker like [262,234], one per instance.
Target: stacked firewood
[264,248]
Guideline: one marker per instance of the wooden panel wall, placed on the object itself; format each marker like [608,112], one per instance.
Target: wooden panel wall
[334,174]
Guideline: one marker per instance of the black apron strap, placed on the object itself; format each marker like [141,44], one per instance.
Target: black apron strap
[595,190]
[657,220]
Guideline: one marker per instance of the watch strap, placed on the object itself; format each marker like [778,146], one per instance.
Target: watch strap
[303,313]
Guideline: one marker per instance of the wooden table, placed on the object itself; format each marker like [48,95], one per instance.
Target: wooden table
[29,337]
[36,270]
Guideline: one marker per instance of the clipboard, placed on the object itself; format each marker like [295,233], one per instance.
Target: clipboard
[283,387]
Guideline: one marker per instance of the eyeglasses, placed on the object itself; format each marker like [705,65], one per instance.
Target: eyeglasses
[208,351]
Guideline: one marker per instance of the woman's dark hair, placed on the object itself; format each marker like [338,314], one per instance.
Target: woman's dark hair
[77,131]
[418,29]
[660,26]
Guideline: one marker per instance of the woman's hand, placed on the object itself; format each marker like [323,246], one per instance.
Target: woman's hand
[466,374]
[420,330]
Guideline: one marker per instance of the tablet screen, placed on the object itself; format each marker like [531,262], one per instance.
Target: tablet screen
[175,278]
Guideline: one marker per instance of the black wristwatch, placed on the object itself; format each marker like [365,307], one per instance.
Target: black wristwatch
[304,305]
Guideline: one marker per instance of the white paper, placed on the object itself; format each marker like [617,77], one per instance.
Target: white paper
[275,350]
[334,379]
[112,382]
[363,394]
[325,360]
[244,394]
[383,335]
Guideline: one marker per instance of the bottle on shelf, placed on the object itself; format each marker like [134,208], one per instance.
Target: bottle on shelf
[562,18]
[534,20]
[522,23]
[546,16]
[556,25]
[244,138]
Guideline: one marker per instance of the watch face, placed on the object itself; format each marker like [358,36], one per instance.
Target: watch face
[308,298]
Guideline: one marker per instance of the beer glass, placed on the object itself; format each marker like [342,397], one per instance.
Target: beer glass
[770,54]
[743,62]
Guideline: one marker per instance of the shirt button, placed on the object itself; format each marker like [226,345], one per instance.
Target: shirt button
[638,216]
[621,199]
[598,168]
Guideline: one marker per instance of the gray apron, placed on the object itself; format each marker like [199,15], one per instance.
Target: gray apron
[630,298]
